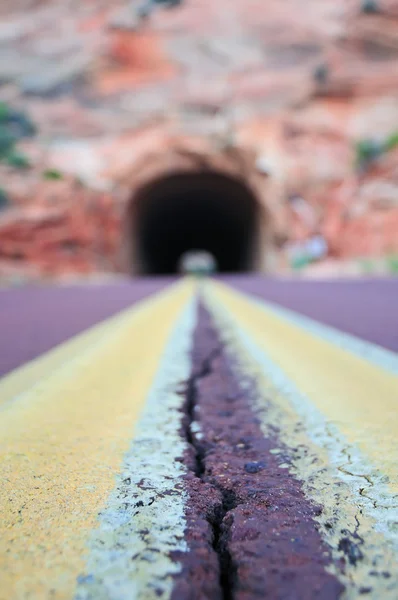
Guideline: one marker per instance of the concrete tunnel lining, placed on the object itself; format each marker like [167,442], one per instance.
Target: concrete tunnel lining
[187,211]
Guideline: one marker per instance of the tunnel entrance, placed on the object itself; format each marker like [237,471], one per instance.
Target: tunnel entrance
[180,212]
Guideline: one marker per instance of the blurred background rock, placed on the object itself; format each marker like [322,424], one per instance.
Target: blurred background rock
[90,87]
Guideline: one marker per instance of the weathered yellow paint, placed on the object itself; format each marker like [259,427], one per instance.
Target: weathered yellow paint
[147,530]
[319,457]
[22,378]
[357,396]
[63,440]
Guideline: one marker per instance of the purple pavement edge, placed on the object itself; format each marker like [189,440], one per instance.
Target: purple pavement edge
[35,319]
[366,308]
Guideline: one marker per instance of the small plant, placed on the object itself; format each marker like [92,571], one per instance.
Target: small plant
[173,3]
[392,264]
[391,142]
[52,174]
[4,199]
[370,7]
[21,124]
[17,160]
[369,150]
[4,112]
[16,121]
[14,125]
[7,142]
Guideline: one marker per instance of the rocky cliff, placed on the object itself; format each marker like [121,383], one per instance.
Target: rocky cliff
[90,88]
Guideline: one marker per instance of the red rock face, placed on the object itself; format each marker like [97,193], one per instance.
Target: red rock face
[78,236]
[290,89]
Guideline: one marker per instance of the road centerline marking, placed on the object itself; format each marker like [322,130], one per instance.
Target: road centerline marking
[62,445]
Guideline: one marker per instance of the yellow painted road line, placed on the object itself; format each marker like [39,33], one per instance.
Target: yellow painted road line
[342,410]
[386,359]
[63,440]
[144,518]
[359,397]
[24,377]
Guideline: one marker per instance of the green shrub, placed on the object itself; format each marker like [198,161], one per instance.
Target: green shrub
[7,142]
[370,7]
[391,142]
[368,150]
[4,199]
[17,160]
[392,263]
[52,174]
[4,112]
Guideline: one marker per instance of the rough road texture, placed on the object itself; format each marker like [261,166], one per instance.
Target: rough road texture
[33,320]
[365,308]
[248,519]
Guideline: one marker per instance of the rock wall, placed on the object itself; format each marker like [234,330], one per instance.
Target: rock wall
[307,90]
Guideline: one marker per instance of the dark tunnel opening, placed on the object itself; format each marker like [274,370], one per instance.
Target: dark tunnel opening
[194,211]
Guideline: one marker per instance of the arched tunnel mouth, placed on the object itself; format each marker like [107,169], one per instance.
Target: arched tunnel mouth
[182,212]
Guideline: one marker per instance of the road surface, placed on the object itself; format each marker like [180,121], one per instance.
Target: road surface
[222,439]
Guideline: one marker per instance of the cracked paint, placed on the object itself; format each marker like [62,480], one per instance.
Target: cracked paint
[360,530]
[62,440]
[131,535]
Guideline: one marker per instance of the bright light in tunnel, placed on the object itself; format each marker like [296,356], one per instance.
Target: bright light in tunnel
[197,262]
